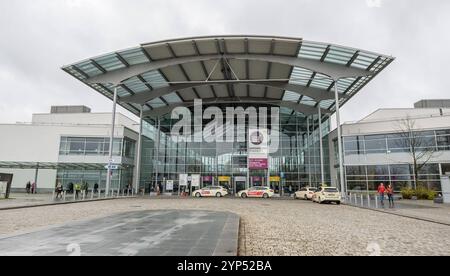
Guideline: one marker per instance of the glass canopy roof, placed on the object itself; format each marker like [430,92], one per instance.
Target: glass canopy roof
[250,58]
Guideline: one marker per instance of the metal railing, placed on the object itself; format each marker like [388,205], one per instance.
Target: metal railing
[66,196]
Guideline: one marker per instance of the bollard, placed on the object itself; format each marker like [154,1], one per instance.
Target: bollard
[53,195]
[368,200]
[64,195]
[74,195]
[362,200]
[356,201]
[376,201]
[92,194]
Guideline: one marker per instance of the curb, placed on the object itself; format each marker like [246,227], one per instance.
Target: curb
[59,203]
[399,215]
[228,243]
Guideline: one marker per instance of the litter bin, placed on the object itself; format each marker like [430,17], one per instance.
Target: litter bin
[5,185]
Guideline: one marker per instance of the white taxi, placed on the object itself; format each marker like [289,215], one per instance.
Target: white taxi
[260,192]
[210,191]
[327,195]
[305,193]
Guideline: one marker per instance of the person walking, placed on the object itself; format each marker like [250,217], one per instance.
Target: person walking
[33,188]
[86,189]
[77,190]
[390,194]
[59,190]
[96,188]
[28,187]
[381,192]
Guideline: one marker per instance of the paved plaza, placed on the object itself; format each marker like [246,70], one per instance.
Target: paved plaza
[269,227]
[141,233]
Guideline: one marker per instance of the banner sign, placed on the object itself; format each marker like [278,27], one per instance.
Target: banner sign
[183,179]
[169,185]
[258,149]
[195,180]
[207,179]
[258,163]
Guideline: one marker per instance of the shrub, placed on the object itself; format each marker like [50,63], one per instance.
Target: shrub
[407,193]
[421,193]
[431,195]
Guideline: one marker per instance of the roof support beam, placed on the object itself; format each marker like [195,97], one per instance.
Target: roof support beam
[314,93]
[305,109]
[334,71]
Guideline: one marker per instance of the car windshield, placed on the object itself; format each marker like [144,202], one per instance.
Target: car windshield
[330,190]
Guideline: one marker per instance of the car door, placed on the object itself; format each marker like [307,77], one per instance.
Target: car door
[252,192]
[206,191]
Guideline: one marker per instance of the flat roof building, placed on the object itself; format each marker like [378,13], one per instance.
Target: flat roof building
[384,147]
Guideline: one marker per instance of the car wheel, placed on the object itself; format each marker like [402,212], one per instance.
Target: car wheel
[198,195]
[265,196]
[338,203]
[218,195]
[244,195]
[306,197]
[320,201]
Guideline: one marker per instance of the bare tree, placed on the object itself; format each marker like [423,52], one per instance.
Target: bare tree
[420,149]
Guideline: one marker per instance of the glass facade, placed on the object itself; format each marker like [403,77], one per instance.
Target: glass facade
[92,174]
[367,178]
[294,164]
[96,146]
[400,175]
[438,140]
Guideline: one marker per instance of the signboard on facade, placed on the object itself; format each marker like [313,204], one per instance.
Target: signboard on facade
[3,188]
[195,180]
[258,149]
[5,183]
[169,185]
[207,179]
[224,179]
[240,179]
[275,179]
[183,179]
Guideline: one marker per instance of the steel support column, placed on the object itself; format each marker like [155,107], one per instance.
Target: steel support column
[111,143]
[308,146]
[322,169]
[339,134]
[139,151]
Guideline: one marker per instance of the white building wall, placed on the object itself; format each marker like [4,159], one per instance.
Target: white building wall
[40,141]
[46,178]
[390,120]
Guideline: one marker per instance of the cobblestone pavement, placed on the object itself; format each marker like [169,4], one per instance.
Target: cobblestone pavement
[271,227]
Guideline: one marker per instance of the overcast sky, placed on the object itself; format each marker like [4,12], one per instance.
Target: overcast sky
[40,36]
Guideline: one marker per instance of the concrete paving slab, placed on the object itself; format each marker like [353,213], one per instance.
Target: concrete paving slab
[143,233]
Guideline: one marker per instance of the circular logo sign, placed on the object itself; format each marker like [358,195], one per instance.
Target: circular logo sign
[257,138]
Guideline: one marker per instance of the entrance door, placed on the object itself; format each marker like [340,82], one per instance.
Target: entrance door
[240,183]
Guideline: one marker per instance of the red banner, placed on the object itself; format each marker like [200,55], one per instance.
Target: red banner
[258,164]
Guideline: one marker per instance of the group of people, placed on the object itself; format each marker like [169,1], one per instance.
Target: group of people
[31,188]
[386,190]
[74,188]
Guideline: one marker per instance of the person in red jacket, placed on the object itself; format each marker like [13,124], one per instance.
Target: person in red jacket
[381,191]
[390,194]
